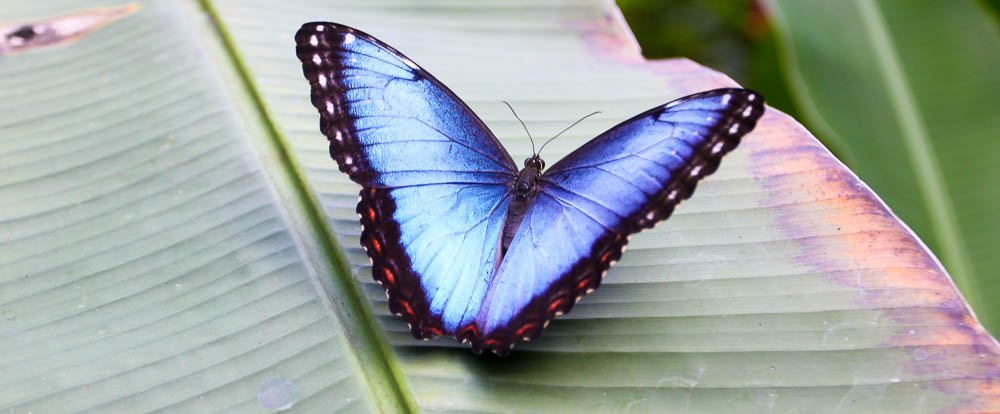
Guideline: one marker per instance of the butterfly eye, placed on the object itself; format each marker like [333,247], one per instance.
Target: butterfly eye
[534,162]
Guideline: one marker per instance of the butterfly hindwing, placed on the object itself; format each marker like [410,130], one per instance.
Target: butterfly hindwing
[625,180]
[436,180]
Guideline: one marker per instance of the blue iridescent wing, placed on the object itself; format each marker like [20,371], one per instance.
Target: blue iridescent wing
[625,180]
[436,182]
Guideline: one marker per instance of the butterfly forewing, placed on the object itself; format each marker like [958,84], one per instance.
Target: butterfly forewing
[391,124]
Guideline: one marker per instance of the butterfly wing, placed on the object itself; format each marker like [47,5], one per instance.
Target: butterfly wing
[436,181]
[625,180]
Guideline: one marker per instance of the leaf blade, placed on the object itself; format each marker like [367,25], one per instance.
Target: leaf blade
[843,304]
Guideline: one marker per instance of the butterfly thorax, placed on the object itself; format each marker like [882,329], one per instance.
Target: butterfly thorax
[524,185]
[525,189]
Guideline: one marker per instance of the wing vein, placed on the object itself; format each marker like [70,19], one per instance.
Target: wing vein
[566,203]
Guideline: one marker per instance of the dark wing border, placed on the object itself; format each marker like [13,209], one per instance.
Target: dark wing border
[586,275]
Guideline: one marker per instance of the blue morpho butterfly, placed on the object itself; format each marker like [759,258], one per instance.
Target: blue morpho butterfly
[463,242]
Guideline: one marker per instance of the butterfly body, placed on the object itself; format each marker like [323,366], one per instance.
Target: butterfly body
[465,243]
[524,190]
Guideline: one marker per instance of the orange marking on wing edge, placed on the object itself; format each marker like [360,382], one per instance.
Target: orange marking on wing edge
[524,329]
[556,305]
[605,256]
[389,277]
[406,307]
[470,329]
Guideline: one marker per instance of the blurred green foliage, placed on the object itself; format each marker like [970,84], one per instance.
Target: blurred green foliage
[732,36]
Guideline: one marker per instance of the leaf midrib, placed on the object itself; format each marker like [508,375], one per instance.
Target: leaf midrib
[375,361]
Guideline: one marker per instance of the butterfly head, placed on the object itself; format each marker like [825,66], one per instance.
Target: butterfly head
[535,162]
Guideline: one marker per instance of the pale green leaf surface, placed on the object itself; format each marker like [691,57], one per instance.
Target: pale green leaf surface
[908,91]
[783,284]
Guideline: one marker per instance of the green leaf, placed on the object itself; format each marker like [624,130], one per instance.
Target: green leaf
[908,91]
[174,236]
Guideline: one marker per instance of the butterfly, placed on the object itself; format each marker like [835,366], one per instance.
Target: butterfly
[463,241]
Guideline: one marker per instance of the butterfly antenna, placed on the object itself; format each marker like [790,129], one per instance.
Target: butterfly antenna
[523,125]
[567,129]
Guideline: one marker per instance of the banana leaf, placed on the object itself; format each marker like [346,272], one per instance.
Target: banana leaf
[174,237]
